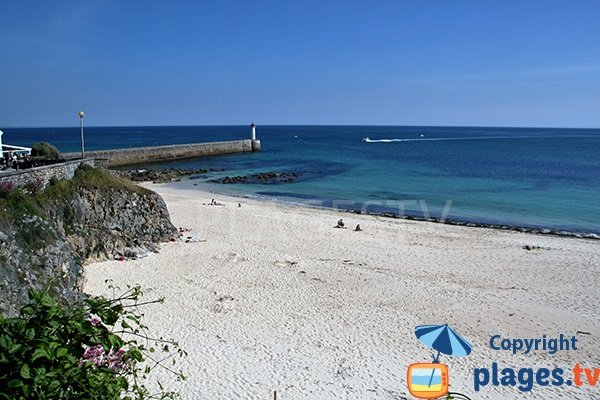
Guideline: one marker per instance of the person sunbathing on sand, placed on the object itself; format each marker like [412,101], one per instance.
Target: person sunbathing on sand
[357,229]
[530,247]
[340,224]
[193,239]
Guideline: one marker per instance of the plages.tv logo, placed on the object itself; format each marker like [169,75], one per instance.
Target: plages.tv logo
[431,380]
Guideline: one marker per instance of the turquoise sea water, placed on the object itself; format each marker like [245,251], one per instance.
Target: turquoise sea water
[525,177]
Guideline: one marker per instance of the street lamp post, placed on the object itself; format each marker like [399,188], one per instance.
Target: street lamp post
[81,115]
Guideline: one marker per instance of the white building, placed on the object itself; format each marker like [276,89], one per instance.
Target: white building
[8,149]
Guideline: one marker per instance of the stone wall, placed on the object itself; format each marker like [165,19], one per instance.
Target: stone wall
[43,174]
[139,155]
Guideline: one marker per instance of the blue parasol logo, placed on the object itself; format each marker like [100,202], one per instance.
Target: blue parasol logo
[432,380]
[443,339]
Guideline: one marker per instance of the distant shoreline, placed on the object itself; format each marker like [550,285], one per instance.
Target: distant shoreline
[175,175]
[448,221]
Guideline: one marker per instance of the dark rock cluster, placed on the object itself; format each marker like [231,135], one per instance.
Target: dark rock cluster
[275,177]
[158,176]
[231,179]
[263,177]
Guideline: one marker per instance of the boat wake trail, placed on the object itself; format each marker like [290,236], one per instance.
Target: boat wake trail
[367,140]
[422,139]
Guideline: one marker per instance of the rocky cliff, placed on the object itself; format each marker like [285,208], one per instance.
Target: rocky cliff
[46,235]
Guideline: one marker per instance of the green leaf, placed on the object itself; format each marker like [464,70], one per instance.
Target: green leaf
[62,352]
[28,310]
[39,379]
[117,308]
[14,348]
[136,355]
[54,324]
[115,342]
[25,373]
[133,318]
[77,325]
[39,353]
[5,341]
[20,326]
[30,334]
[15,383]
[47,301]
[110,318]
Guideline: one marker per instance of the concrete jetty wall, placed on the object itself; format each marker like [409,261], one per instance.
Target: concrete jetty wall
[139,155]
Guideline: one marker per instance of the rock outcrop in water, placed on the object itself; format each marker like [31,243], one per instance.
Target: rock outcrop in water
[46,237]
[263,177]
[159,175]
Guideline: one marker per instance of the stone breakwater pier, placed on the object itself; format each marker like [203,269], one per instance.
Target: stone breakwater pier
[139,155]
[126,156]
[155,154]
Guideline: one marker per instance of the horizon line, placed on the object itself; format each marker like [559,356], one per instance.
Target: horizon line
[74,126]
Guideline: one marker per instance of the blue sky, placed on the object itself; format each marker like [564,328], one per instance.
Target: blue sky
[468,63]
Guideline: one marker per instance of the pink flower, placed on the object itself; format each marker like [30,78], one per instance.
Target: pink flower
[94,354]
[95,321]
[113,360]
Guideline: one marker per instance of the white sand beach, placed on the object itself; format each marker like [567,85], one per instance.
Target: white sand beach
[278,299]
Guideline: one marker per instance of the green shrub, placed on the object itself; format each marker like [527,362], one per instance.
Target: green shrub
[95,350]
[94,178]
[18,204]
[45,151]
[31,200]
[57,190]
